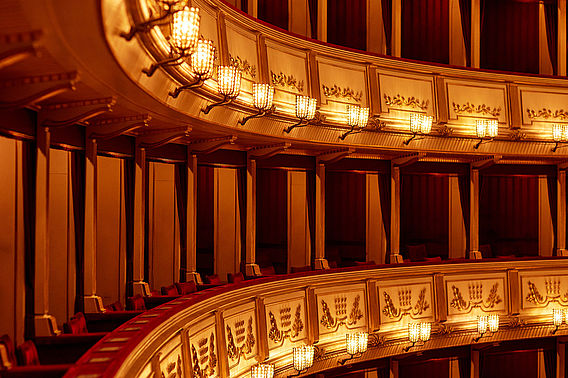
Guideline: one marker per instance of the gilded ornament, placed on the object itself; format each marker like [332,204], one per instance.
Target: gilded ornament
[336,91]
[356,313]
[468,107]
[552,287]
[284,80]
[402,101]
[475,297]
[243,65]
[208,357]
[545,113]
[375,124]
[328,321]
[405,304]
[517,135]
[235,352]
[445,131]
[291,330]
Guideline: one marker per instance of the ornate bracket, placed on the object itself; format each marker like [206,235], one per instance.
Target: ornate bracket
[260,113]
[172,61]
[74,112]
[109,128]
[225,101]
[318,120]
[157,138]
[28,91]
[207,146]
[146,26]
[404,160]
[263,152]
[18,46]
[334,155]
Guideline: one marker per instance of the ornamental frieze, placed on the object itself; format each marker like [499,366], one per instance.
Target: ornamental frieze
[476,297]
[552,292]
[338,92]
[341,314]
[243,65]
[470,108]
[291,326]
[204,355]
[546,113]
[399,101]
[405,307]
[287,81]
[243,342]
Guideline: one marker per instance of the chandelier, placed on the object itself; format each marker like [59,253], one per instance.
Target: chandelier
[305,111]
[167,8]
[559,135]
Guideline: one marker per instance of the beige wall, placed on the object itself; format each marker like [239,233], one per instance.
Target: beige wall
[111,230]
[299,248]
[11,240]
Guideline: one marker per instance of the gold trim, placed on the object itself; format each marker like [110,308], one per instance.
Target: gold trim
[470,108]
[284,80]
[548,113]
[336,91]
[401,101]
[552,293]
[235,352]
[405,301]
[243,65]
[329,322]
[294,329]
[475,298]
[209,359]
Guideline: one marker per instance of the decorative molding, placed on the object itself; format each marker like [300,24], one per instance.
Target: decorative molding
[445,131]
[243,65]
[545,113]
[336,91]
[341,318]
[475,298]
[205,355]
[552,287]
[290,330]
[470,108]
[406,307]
[517,135]
[248,341]
[401,101]
[284,80]
[375,124]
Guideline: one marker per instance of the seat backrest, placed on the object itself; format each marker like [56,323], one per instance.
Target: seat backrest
[298,269]
[27,354]
[268,270]
[137,303]
[185,288]
[6,341]
[417,252]
[170,290]
[236,277]
[212,279]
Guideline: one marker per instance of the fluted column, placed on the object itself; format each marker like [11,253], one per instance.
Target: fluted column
[474,214]
[251,267]
[139,286]
[191,221]
[395,256]
[319,254]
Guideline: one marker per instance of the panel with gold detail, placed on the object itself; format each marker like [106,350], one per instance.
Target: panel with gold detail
[203,349]
[542,290]
[170,359]
[240,337]
[405,300]
[243,54]
[285,322]
[542,106]
[469,296]
[341,309]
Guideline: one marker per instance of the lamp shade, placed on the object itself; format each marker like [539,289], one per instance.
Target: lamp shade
[492,128]
[229,81]
[426,124]
[262,96]
[425,331]
[353,112]
[262,371]
[415,121]
[202,59]
[185,29]
[363,117]
[480,128]
[303,357]
[305,107]
[414,332]
[559,132]
[557,316]
[486,128]
[352,343]
[493,322]
[482,324]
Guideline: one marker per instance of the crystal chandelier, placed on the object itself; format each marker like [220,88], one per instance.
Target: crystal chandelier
[486,129]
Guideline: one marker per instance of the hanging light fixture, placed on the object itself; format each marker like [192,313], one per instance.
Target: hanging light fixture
[202,61]
[183,39]
[228,85]
[262,97]
[356,117]
[355,345]
[303,358]
[262,371]
[418,333]
[168,8]
[486,129]
[305,111]
[419,124]
[486,323]
[559,135]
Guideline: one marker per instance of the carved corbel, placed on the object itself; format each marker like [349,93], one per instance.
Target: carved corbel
[18,46]
[408,159]
[334,155]
[264,152]
[159,137]
[28,91]
[109,128]
[207,146]
[74,112]
[486,162]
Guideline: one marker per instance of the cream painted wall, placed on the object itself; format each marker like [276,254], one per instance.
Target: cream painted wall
[111,230]
[164,246]
[11,240]
[61,237]
[299,247]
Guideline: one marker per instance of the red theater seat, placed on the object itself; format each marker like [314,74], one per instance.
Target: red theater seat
[298,269]
[136,303]
[76,325]
[236,277]
[185,288]
[213,279]
[170,290]
[268,271]
[27,354]
[6,341]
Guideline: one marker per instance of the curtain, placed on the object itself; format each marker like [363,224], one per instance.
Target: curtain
[313,9]
[425,30]
[78,193]
[464,187]
[551,16]
[244,6]
[205,220]
[311,200]
[29,180]
[129,169]
[552,200]
[242,195]
[509,36]
[465,11]
[550,363]
[347,23]
[274,12]
[180,178]
[387,22]
[385,198]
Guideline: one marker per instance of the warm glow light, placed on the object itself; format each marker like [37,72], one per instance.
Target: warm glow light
[202,59]
[363,340]
[305,107]
[356,342]
[482,324]
[353,115]
[480,128]
[557,316]
[229,81]
[560,132]
[303,357]
[486,128]
[414,332]
[262,371]
[493,322]
[420,123]
[425,330]
[565,316]
[363,117]
[185,29]
[262,96]
[492,128]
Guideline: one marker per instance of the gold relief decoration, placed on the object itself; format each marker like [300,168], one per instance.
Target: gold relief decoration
[204,355]
[475,297]
[470,108]
[375,124]
[517,135]
[445,131]
[243,65]
[552,287]
[402,101]
[331,322]
[516,322]
[545,113]
[405,303]
[283,80]
[336,91]
[291,330]
[375,340]
[248,341]
[173,369]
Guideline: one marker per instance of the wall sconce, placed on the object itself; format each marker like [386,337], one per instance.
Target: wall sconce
[262,371]
[262,96]
[228,84]
[303,358]
[485,323]
[559,134]
[419,124]
[356,345]
[559,315]
[201,64]
[305,111]
[486,129]
[418,332]
[183,39]
[356,116]
[169,7]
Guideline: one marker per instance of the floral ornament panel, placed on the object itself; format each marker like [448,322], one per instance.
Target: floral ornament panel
[343,93]
[466,295]
[246,68]
[286,81]
[472,109]
[347,310]
[399,300]
[204,357]
[547,114]
[241,339]
[169,358]
[539,292]
[285,321]
[399,101]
